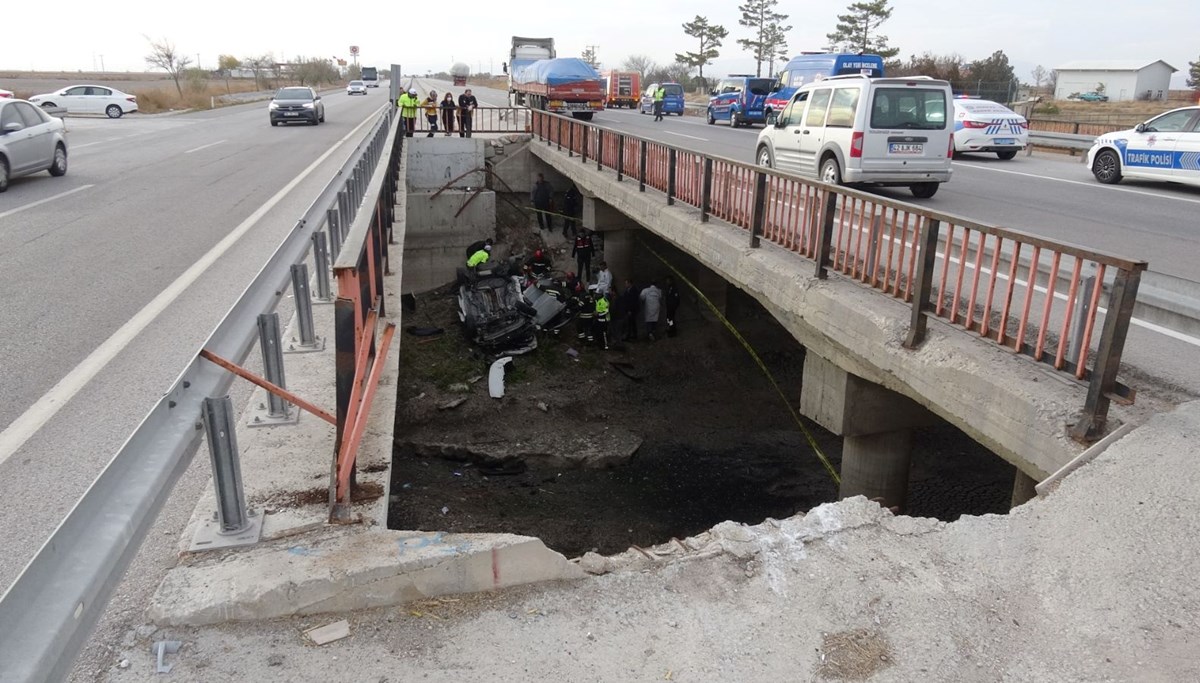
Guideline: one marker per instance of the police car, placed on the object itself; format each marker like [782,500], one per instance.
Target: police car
[1167,147]
[985,126]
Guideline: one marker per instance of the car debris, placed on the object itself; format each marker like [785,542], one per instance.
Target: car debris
[323,635]
[160,650]
[496,377]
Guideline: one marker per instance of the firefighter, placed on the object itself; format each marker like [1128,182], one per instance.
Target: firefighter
[587,315]
[540,264]
[480,257]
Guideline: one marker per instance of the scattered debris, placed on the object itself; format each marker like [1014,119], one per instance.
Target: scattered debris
[474,379]
[275,660]
[445,510]
[450,405]
[627,370]
[424,331]
[328,633]
[496,377]
[459,388]
[160,650]
[572,353]
[123,664]
[543,407]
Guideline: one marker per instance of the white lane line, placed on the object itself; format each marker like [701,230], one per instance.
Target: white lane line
[211,144]
[1096,185]
[101,142]
[47,200]
[685,135]
[38,414]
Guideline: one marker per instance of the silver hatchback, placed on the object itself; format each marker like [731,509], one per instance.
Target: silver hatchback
[30,141]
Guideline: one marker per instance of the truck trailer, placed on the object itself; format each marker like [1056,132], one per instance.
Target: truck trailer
[526,51]
[563,86]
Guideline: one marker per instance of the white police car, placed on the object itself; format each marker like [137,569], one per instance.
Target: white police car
[1167,147]
[985,126]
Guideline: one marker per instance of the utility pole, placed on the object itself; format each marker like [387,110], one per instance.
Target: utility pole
[101,63]
[592,50]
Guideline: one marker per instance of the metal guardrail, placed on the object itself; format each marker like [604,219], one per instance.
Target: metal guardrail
[47,615]
[1068,141]
[894,247]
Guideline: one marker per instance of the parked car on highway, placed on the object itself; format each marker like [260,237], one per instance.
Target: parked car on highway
[356,88]
[739,100]
[858,129]
[293,104]
[30,141]
[1167,147]
[672,99]
[986,126]
[1089,97]
[89,99]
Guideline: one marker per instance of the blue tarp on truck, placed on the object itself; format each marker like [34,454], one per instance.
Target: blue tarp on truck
[557,72]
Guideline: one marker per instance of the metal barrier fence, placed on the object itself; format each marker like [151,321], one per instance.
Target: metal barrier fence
[48,613]
[1077,127]
[1028,294]
[484,120]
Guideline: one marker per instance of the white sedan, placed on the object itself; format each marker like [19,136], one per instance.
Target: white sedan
[1167,147]
[356,88]
[986,126]
[6,94]
[89,99]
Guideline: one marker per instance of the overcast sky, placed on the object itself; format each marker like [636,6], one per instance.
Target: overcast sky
[73,35]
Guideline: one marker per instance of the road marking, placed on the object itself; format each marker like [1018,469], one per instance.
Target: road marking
[37,415]
[197,149]
[101,142]
[685,135]
[39,202]
[1080,182]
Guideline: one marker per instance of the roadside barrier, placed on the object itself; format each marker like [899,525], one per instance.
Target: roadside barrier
[1034,296]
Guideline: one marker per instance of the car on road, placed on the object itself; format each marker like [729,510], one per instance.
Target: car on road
[739,100]
[89,99]
[1167,147]
[5,94]
[30,141]
[1089,97]
[672,99]
[356,88]
[986,126]
[858,129]
[296,104]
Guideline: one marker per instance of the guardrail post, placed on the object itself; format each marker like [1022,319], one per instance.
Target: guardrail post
[344,217]
[583,148]
[706,190]
[924,281]
[221,430]
[599,149]
[641,165]
[1108,356]
[277,410]
[304,317]
[760,208]
[620,157]
[671,176]
[570,138]
[825,236]
[333,218]
[321,265]
[1079,316]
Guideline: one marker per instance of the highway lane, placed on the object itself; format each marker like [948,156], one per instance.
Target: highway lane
[152,196]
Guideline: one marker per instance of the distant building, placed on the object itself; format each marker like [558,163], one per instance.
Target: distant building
[1123,80]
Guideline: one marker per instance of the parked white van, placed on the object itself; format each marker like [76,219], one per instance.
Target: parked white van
[857,129]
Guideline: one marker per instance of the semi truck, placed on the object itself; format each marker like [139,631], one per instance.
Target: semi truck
[526,51]
[622,88]
[563,86]
[370,76]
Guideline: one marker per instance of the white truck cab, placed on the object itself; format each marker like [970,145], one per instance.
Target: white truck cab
[858,129]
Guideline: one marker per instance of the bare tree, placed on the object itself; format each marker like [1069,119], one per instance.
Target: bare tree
[226,64]
[639,63]
[163,55]
[260,65]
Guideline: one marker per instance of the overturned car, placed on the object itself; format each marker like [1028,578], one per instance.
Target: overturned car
[502,316]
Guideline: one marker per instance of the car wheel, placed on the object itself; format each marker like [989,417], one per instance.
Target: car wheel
[1107,167]
[711,120]
[59,167]
[3,174]
[322,117]
[274,122]
[113,111]
[830,172]
[764,157]
[48,105]
[1007,154]
[924,190]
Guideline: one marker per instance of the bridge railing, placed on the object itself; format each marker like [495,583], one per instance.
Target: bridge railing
[1060,304]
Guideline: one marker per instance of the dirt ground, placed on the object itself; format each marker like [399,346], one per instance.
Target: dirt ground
[713,440]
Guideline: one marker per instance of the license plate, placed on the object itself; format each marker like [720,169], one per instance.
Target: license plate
[291,113]
[1004,141]
[906,148]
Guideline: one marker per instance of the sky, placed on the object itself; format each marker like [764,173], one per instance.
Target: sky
[429,36]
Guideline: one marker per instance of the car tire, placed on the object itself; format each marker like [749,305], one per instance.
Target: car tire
[765,158]
[3,174]
[831,172]
[1107,167]
[58,168]
[112,111]
[322,117]
[48,105]
[924,190]
[711,120]
[274,122]
[1007,155]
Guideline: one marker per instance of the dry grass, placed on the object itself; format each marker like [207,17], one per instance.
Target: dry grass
[196,95]
[853,655]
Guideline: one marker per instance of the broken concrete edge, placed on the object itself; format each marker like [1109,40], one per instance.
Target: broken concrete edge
[349,568]
[1051,483]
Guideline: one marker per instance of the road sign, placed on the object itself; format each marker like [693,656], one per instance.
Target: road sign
[354,50]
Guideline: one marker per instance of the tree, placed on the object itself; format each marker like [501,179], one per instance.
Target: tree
[945,67]
[1039,75]
[761,18]
[261,66]
[639,63]
[858,29]
[226,64]
[589,56]
[1193,80]
[315,71]
[679,72]
[779,52]
[1052,81]
[163,55]
[993,77]
[710,37]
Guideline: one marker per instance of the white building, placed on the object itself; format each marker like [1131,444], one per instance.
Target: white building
[1122,79]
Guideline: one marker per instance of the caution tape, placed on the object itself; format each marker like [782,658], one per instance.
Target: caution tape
[812,442]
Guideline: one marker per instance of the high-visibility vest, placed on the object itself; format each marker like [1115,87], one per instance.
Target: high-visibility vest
[602,309]
[408,106]
[477,258]
[660,94]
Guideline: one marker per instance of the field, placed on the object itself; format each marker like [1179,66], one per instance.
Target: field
[155,92]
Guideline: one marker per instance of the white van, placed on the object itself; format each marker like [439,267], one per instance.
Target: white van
[857,129]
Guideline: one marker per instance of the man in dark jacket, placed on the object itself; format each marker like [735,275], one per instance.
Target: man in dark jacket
[466,112]
[540,264]
[571,206]
[671,300]
[627,306]
[543,202]
[582,251]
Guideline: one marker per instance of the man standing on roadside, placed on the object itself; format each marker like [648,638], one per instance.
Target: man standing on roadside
[660,93]
[582,251]
[672,301]
[408,111]
[604,279]
[466,111]
[570,209]
[543,201]
[651,299]
[627,306]
[430,105]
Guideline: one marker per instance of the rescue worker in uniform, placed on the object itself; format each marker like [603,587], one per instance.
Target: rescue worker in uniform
[480,257]
[587,315]
[601,321]
[582,251]
[660,93]
[540,264]
[409,103]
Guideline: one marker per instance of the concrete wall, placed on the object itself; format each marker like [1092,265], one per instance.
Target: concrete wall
[434,162]
[1011,405]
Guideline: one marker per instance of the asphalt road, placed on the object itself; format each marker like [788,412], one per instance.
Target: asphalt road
[116,273]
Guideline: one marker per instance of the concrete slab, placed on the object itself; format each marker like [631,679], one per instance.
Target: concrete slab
[349,568]
[435,162]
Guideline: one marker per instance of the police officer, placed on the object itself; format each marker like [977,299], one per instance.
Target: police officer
[660,94]
[601,321]
[582,251]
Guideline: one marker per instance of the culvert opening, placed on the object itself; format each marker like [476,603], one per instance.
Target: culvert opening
[681,434]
